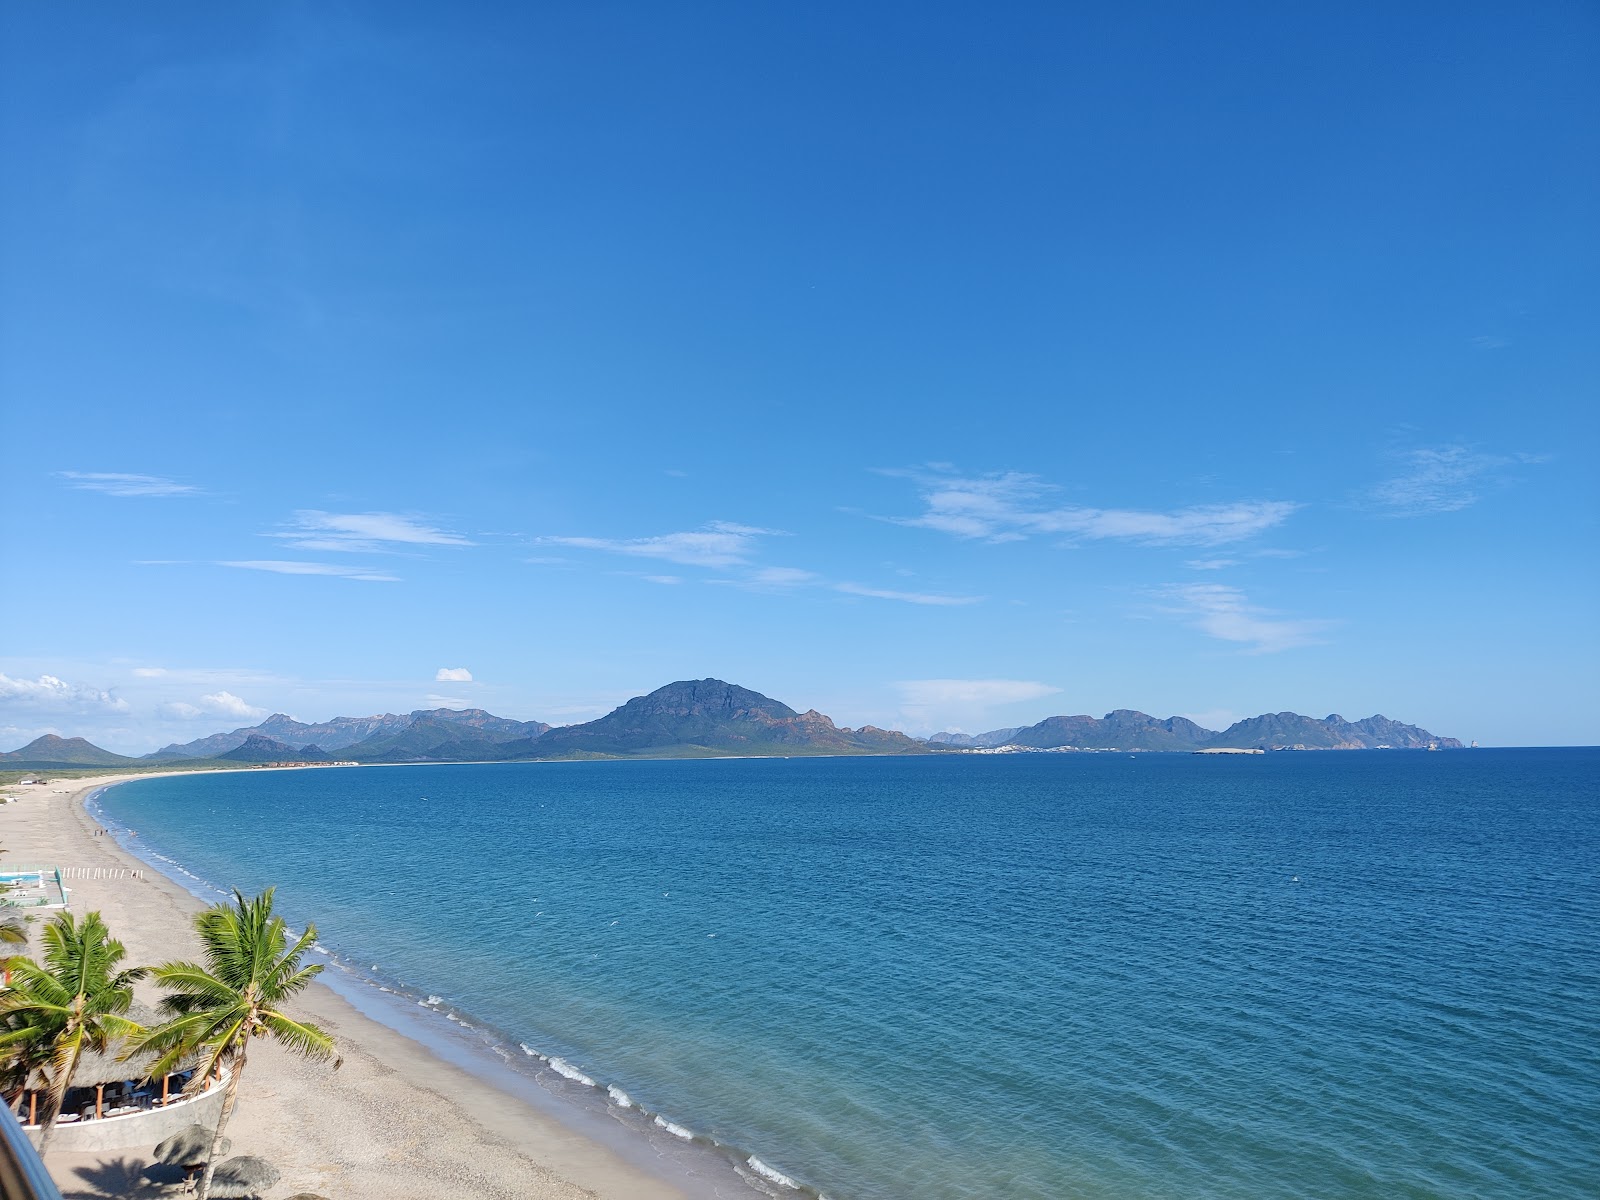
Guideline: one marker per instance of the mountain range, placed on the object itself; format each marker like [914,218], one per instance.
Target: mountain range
[702,718]
[1127,729]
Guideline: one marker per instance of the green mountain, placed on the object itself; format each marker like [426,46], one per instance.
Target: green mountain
[705,718]
[52,751]
[260,749]
[439,736]
[343,732]
[1288,731]
[1126,729]
[709,717]
[995,737]
[1121,729]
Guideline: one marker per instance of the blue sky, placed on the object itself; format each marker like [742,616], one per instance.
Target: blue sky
[934,365]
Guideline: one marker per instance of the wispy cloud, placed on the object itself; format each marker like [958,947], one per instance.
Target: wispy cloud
[718,544]
[452,675]
[1211,564]
[1226,613]
[664,580]
[50,692]
[931,704]
[772,579]
[290,567]
[1010,506]
[364,533]
[973,691]
[118,484]
[726,545]
[1442,479]
[932,598]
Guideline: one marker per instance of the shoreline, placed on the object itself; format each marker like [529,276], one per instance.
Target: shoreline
[397,1120]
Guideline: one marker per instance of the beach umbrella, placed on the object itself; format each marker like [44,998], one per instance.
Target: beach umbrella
[189,1147]
[243,1177]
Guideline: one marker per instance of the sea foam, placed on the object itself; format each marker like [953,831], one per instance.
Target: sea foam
[677,1131]
[772,1174]
[567,1071]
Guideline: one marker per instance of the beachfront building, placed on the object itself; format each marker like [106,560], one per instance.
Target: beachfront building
[114,1104]
[34,888]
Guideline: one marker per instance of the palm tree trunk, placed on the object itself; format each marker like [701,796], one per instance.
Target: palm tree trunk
[222,1123]
[57,1095]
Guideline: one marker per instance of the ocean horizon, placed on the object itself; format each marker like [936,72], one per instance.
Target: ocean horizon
[1092,975]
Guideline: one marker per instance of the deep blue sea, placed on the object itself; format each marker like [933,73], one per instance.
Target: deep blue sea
[1092,975]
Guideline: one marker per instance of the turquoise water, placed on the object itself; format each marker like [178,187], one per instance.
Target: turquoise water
[1314,975]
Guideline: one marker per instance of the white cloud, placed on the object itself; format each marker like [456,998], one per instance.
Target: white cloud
[282,567]
[116,484]
[452,675]
[312,529]
[1211,564]
[663,579]
[932,598]
[49,692]
[1011,506]
[973,691]
[447,701]
[226,704]
[718,544]
[149,672]
[1442,479]
[179,710]
[1224,612]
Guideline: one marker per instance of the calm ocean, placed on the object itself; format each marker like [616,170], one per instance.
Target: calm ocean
[1097,975]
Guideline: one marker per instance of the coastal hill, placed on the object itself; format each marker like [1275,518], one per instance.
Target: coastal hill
[1333,732]
[702,718]
[260,749]
[967,741]
[387,729]
[53,751]
[1127,729]
[1122,729]
[710,716]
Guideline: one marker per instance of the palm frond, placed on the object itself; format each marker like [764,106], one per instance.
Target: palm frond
[300,1036]
[188,983]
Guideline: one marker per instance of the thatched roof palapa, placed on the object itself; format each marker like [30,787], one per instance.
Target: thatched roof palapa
[243,1177]
[96,1068]
[189,1147]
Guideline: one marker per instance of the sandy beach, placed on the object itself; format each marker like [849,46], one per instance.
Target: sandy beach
[394,1121]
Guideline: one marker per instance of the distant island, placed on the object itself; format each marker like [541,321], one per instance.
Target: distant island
[704,718]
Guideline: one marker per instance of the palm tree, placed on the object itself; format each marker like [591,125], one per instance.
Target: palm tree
[216,1009]
[74,1001]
